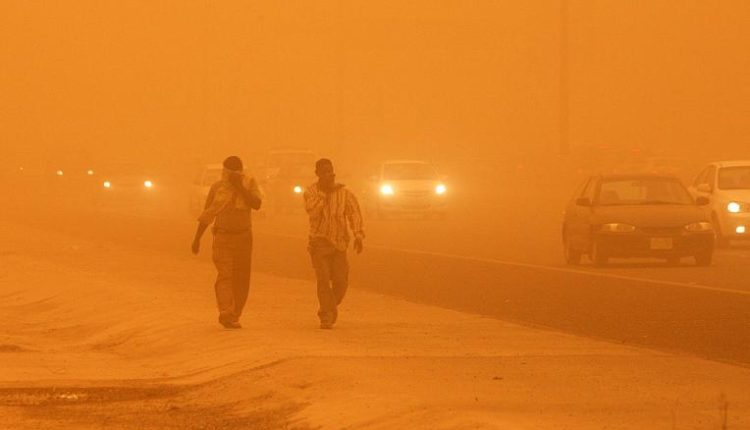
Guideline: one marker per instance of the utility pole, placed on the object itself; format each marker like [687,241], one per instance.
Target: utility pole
[564,108]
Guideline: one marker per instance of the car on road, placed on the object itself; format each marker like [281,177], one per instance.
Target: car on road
[286,187]
[640,215]
[403,187]
[727,184]
[127,182]
[285,175]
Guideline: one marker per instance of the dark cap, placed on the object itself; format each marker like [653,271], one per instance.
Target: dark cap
[233,163]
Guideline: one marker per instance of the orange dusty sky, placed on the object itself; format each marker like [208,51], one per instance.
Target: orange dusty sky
[196,79]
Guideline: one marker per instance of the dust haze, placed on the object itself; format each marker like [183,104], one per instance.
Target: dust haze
[473,305]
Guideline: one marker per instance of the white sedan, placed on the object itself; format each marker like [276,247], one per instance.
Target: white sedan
[727,185]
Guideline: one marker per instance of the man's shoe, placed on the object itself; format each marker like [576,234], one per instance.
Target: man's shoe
[326,325]
[232,324]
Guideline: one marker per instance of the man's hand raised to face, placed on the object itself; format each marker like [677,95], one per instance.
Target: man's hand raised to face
[236,180]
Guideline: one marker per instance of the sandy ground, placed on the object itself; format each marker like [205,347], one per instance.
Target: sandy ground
[98,335]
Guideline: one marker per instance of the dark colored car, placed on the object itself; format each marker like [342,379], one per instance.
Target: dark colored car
[624,216]
[127,183]
[284,188]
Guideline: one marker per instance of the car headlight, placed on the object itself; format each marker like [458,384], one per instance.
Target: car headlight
[699,226]
[737,207]
[107,184]
[440,189]
[90,172]
[148,184]
[60,173]
[386,190]
[616,227]
[297,189]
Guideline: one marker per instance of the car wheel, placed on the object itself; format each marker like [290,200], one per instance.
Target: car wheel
[597,256]
[720,240]
[704,258]
[572,255]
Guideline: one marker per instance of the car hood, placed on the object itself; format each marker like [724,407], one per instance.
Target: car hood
[650,216]
[413,185]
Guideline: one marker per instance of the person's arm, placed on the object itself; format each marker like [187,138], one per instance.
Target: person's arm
[196,247]
[205,219]
[354,216]
[315,200]
[248,191]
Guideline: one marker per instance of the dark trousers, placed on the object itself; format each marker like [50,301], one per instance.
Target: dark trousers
[332,274]
[232,254]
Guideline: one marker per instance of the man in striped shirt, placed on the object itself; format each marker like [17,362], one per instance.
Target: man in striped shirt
[330,207]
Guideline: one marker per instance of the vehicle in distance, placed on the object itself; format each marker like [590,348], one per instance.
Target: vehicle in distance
[727,184]
[626,216]
[404,187]
[125,182]
[286,187]
[208,175]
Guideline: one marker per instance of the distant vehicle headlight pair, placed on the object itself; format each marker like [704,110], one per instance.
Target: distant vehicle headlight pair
[387,189]
[627,228]
[738,207]
[146,184]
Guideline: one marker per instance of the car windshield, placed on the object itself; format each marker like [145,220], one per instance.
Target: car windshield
[643,191]
[734,178]
[407,171]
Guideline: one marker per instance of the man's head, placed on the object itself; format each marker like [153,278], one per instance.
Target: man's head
[233,163]
[324,171]
[324,168]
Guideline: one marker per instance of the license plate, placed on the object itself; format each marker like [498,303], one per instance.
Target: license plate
[661,243]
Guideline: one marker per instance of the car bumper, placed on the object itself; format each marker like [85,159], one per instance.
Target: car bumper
[658,246]
[735,226]
[405,205]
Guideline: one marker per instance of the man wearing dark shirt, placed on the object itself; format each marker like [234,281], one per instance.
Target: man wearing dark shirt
[228,207]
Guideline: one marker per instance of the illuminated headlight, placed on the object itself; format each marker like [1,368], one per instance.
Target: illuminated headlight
[297,189]
[148,184]
[737,207]
[618,228]
[107,184]
[60,173]
[90,172]
[699,226]
[740,229]
[440,189]
[386,190]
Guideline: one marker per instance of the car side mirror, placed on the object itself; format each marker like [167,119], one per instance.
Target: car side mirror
[704,188]
[583,201]
[702,201]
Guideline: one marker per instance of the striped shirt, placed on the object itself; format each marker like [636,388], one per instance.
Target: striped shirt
[329,213]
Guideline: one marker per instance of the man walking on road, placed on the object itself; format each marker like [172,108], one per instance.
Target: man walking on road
[228,206]
[330,206]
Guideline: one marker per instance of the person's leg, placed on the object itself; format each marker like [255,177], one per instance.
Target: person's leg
[241,274]
[224,262]
[339,279]
[321,255]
